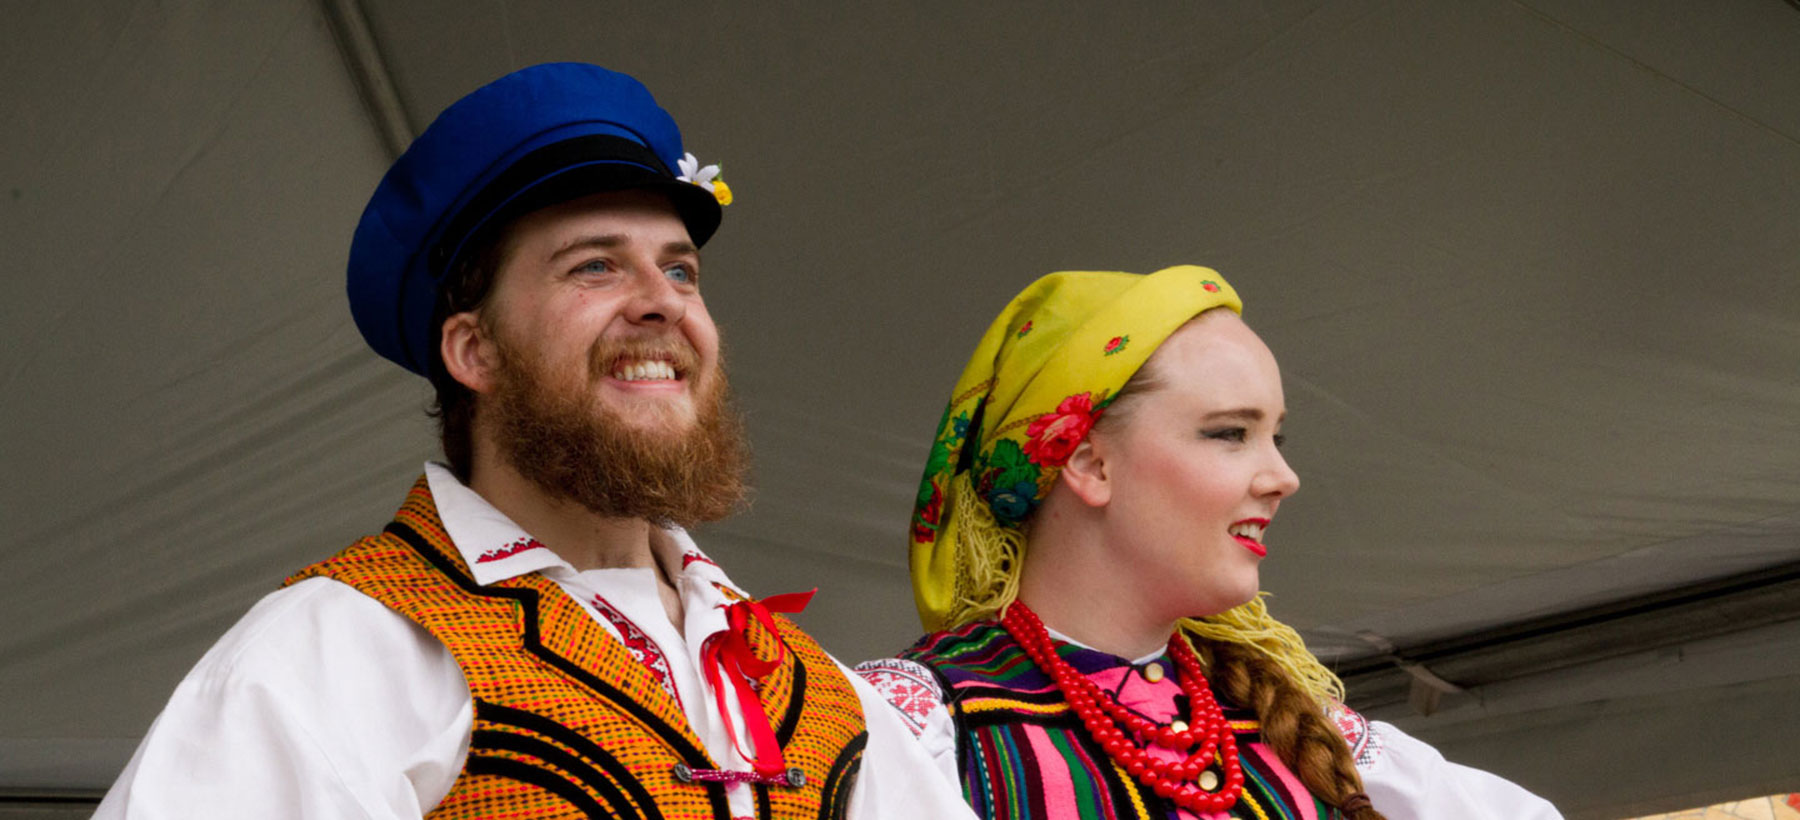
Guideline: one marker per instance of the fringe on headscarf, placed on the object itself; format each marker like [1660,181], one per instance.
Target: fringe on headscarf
[989,557]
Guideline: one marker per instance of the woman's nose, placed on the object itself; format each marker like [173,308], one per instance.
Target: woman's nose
[1277,479]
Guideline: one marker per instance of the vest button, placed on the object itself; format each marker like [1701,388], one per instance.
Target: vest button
[1153,673]
[683,773]
[795,777]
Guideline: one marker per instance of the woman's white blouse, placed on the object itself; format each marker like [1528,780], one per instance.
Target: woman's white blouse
[1405,778]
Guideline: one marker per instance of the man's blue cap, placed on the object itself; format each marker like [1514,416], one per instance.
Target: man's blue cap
[531,139]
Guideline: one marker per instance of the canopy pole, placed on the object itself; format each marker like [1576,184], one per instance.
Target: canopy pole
[362,55]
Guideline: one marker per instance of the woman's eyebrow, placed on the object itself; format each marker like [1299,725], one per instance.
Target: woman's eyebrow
[1245,414]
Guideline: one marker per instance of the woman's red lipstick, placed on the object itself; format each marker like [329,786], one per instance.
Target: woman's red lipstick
[1248,533]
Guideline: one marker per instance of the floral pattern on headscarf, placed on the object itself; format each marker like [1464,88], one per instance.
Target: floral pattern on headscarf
[1042,375]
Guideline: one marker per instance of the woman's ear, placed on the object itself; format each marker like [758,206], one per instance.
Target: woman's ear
[1086,475]
[467,351]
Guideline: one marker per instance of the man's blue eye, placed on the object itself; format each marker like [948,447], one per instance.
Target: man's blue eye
[593,266]
[681,274]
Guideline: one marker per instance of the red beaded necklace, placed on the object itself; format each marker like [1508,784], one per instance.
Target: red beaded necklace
[1124,735]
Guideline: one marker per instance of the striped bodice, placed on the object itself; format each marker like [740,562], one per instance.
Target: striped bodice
[1024,755]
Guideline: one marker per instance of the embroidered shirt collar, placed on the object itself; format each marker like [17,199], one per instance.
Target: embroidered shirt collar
[497,549]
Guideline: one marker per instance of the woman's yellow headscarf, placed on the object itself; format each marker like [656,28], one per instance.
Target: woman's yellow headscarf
[1045,370]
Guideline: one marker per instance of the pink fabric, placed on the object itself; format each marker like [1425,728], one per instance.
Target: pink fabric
[1156,701]
[1059,789]
[1288,779]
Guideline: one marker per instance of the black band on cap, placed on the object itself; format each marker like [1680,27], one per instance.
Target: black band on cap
[499,201]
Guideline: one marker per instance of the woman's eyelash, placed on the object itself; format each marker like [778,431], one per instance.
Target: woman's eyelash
[1238,435]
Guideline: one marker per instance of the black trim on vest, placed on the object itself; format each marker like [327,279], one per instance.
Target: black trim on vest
[542,778]
[499,715]
[528,601]
[834,797]
[549,753]
[764,811]
[789,723]
[796,700]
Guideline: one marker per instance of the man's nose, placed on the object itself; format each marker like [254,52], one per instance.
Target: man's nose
[654,299]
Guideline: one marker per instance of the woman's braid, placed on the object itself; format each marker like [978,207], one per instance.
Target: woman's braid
[1293,724]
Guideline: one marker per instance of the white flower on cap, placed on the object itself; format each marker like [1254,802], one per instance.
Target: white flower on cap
[706,177]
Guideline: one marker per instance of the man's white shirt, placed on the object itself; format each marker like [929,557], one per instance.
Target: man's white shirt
[322,702]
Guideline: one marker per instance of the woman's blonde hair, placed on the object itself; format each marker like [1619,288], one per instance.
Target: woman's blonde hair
[1257,661]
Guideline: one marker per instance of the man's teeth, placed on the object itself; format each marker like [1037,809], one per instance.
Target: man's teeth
[645,372]
[1249,530]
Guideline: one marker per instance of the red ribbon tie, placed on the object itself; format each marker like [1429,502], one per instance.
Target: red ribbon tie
[730,651]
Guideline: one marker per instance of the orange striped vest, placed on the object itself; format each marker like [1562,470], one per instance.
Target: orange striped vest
[567,722]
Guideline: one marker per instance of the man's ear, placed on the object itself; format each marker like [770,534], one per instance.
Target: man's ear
[468,352]
[1086,475]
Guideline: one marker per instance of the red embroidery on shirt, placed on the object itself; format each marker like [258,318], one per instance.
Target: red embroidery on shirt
[642,648]
[907,687]
[1365,745]
[694,557]
[510,550]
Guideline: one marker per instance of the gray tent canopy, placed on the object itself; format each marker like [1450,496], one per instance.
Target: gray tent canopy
[1532,269]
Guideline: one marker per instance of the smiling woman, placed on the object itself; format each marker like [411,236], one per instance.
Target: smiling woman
[1162,507]
[1086,549]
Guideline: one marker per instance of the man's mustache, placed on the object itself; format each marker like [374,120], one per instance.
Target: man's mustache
[609,356]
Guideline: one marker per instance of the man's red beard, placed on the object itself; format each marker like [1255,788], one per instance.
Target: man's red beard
[573,448]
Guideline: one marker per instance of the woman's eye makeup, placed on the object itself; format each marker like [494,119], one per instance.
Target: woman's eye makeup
[1237,435]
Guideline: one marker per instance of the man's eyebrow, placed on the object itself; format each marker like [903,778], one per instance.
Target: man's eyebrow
[602,241]
[612,240]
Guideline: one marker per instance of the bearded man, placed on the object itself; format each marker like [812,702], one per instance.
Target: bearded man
[535,634]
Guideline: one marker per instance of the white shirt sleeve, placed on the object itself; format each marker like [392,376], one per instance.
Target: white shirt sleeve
[939,741]
[914,694]
[1407,779]
[320,703]
[900,777]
